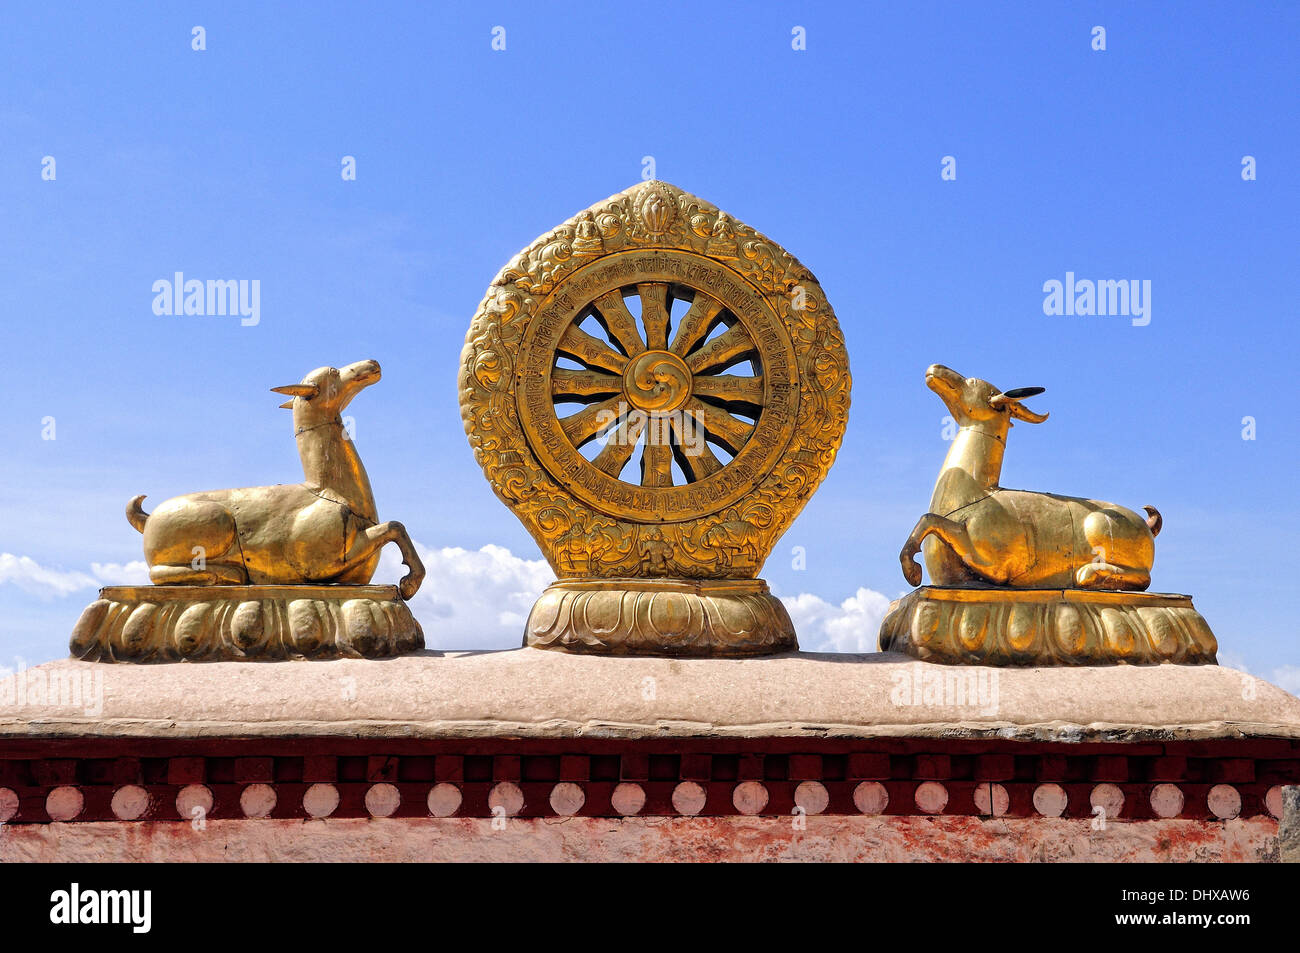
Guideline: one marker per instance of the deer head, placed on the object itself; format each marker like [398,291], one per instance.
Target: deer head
[329,457]
[972,401]
[323,394]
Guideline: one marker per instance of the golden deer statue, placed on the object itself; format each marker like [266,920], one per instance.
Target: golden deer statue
[979,533]
[324,530]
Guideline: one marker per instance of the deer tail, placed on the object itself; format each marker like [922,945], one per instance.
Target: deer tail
[1154,520]
[135,514]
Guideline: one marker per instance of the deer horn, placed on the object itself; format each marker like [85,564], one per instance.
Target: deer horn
[1010,400]
[306,391]
[1009,397]
[1020,393]
[297,390]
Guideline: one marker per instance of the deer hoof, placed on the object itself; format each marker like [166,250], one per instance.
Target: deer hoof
[409,585]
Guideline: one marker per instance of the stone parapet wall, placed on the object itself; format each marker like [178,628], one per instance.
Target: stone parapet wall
[152,780]
[829,838]
[854,757]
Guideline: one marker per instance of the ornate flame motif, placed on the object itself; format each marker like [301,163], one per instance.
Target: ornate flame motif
[657,209]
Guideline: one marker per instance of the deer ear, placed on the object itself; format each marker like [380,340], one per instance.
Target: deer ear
[306,391]
[1024,413]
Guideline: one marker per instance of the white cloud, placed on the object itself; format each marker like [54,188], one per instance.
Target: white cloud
[1286,677]
[134,573]
[31,577]
[472,599]
[481,599]
[1230,659]
[46,583]
[852,626]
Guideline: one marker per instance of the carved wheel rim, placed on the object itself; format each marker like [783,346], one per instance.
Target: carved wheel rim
[768,369]
[660,398]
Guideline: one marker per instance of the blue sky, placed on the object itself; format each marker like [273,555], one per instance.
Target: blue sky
[225,163]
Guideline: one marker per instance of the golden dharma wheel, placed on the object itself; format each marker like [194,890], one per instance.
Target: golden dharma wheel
[655,390]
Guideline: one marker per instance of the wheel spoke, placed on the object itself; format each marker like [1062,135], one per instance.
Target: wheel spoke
[579,344]
[618,447]
[618,321]
[730,388]
[654,314]
[591,420]
[717,414]
[696,323]
[657,457]
[721,426]
[693,452]
[723,350]
[570,383]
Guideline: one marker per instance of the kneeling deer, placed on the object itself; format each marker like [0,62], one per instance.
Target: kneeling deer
[979,533]
[324,530]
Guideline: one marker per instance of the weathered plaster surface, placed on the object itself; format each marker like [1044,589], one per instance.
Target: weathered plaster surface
[828,838]
[533,693]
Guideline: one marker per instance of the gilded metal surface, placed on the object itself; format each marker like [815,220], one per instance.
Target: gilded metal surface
[656,400]
[267,572]
[980,533]
[1024,578]
[655,390]
[323,530]
[1047,627]
[731,335]
[238,623]
[662,617]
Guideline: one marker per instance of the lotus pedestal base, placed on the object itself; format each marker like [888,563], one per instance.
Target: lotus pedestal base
[677,617]
[244,623]
[1047,627]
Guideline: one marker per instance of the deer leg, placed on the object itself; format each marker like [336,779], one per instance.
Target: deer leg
[1115,541]
[952,533]
[907,557]
[375,537]
[213,575]
[410,583]
[1104,575]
